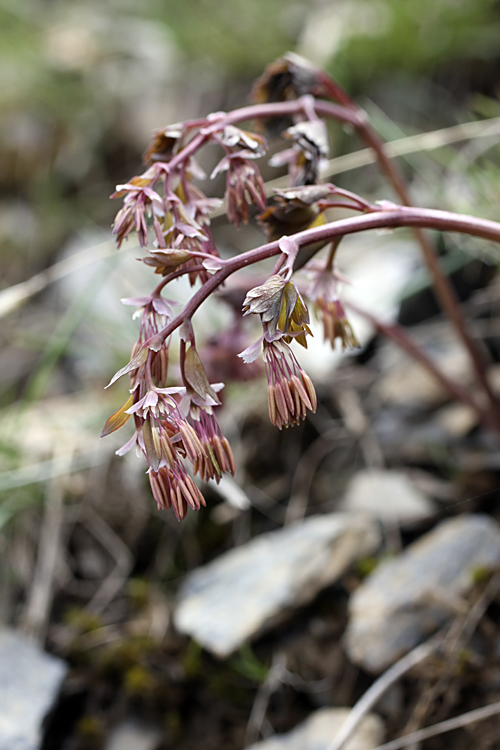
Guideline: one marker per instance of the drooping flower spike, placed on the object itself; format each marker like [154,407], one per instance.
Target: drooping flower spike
[284,317]
[174,419]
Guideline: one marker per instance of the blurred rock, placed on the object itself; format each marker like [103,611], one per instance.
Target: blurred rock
[29,684]
[409,597]
[388,495]
[457,419]
[379,267]
[320,729]
[132,735]
[248,589]
[407,383]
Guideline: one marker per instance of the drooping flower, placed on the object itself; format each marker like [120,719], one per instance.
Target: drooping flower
[284,317]
[323,291]
[140,201]
[290,391]
[282,310]
[308,154]
[165,143]
[287,78]
[174,488]
[173,425]
[217,456]
[244,184]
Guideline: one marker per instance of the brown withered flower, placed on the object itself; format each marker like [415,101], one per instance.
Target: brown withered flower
[165,143]
[286,218]
[286,79]
[307,155]
[297,209]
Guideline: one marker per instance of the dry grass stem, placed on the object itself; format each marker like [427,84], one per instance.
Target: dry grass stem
[380,686]
[479,714]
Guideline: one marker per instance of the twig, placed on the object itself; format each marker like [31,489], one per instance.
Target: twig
[111,542]
[399,147]
[358,424]
[15,296]
[442,284]
[403,340]
[274,679]
[459,634]
[479,714]
[379,687]
[37,612]
[54,467]
[399,216]
[306,469]
[476,613]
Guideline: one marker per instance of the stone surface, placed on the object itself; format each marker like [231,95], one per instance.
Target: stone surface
[134,735]
[29,683]
[248,589]
[320,729]
[407,598]
[406,383]
[388,495]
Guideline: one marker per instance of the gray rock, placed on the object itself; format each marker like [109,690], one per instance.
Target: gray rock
[388,495]
[407,383]
[134,735]
[319,731]
[409,597]
[29,683]
[248,589]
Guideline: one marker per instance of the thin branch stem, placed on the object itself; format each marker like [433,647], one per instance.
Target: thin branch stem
[401,338]
[349,112]
[400,216]
[479,714]
[379,687]
[175,275]
[442,285]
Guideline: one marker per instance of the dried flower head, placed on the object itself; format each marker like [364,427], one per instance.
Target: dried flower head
[165,143]
[285,79]
[308,154]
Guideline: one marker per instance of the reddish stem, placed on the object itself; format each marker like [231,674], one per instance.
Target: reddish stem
[400,216]
[404,341]
[442,285]
[349,112]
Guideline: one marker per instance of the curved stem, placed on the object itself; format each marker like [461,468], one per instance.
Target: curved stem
[182,360]
[404,341]
[400,216]
[348,112]
[442,285]
[175,275]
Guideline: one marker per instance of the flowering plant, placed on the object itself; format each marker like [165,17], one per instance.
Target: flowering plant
[176,426]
